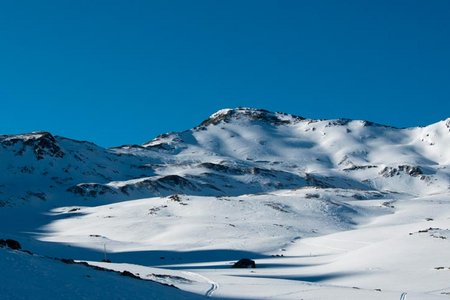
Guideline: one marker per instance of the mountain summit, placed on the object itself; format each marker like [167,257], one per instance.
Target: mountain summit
[228,115]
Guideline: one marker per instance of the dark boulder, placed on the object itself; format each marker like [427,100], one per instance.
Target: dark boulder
[244,263]
[13,244]
[129,274]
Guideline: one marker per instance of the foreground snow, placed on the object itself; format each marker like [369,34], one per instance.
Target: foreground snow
[351,249]
[26,276]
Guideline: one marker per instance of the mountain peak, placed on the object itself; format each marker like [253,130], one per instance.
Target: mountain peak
[42,143]
[255,114]
[35,135]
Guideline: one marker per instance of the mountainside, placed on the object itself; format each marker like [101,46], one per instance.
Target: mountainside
[234,152]
[329,209]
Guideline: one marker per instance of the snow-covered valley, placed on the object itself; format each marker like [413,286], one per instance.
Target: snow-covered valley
[328,209]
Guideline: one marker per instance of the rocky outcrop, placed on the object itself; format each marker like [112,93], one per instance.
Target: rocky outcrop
[403,169]
[42,144]
[91,189]
[263,115]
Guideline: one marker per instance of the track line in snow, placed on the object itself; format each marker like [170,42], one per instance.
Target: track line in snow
[403,296]
[213,288]
[214,285]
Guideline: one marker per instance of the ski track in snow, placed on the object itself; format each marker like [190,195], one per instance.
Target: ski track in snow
[214,285]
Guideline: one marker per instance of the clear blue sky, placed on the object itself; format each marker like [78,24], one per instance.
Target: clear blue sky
[117,72]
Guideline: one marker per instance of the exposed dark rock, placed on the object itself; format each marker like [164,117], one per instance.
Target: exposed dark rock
[354,168]
[39,195]
[428,229]
[223,168]
[310,196]
[41,143]
[175,181]
[164,135]
[405,169]
[373,124]
[175,198]
[278,206]
[12,244]
[338,122]
[359,197]
[313,180]
[165,142]
[128,146]
[129,274]
[148,184]
[251,114]
[388,204]
[91,189]
[244,263]
[161,146]
[164,184]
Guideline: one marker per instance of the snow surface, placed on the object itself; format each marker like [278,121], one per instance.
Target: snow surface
[33,277]
[328,209]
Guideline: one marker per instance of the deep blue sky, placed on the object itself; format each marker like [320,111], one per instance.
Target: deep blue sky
[117,72]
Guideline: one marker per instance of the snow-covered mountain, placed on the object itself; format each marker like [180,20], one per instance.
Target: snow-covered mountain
[309,199]
[234,152]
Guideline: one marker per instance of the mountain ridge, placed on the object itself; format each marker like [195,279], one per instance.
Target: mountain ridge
[227,114]
[233,152]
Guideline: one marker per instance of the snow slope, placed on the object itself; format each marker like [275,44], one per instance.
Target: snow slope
[330,242]
[34,277]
